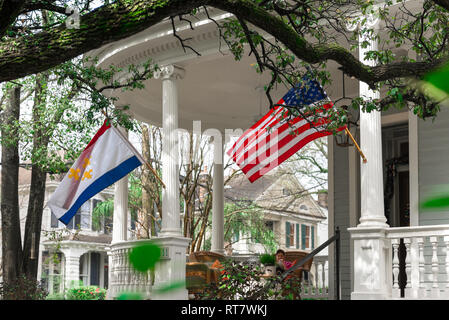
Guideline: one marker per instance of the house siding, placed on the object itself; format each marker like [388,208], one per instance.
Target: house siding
[342,217]
[433,160]
[433,177]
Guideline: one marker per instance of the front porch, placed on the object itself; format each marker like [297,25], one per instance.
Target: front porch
[379,254]
[125,279]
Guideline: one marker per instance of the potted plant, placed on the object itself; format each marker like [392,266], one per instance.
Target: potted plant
[269,262]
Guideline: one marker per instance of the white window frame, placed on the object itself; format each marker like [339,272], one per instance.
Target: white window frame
[292,235]
[308,236]
[91,201]
[51,275]
[87,268]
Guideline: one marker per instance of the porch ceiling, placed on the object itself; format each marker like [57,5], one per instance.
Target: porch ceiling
[219,91]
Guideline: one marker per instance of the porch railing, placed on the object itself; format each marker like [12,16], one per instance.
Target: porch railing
[122,276]
[420,262]
[316,286]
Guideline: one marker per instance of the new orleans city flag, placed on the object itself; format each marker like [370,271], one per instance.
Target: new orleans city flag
[108,157]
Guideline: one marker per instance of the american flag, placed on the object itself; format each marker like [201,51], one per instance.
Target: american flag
[276,136]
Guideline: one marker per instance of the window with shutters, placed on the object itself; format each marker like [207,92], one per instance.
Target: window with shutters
[297,237]
[292,234]
[306,238]
[313,237]
[289,234]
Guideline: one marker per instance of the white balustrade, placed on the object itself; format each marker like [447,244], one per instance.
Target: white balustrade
[123,278]
[446,245]
[429,265]
[396,290]
[316,286]
[421,289]
[408,263]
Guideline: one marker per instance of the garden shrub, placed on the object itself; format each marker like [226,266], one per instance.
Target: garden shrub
[86,293]
[245,281]
[23,289]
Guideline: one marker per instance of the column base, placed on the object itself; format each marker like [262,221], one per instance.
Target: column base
[373,222]
[369,296]
[167,233]
[170,273]
[372,263]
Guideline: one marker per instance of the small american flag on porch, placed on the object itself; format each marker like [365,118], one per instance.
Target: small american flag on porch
[276,136]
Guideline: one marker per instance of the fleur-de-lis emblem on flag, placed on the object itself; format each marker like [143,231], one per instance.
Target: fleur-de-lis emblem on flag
[86,174]
[92,173]
[74,174]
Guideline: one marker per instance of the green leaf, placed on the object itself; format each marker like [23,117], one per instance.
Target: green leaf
[129,296]
[436,202]
[171,287]
[145,256]
[436,82]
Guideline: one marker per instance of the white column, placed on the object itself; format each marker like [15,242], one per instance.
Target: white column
[171,269]
[120,217]
[72,266]
[372,197]
[170,158]
[218,201]
[372,251]
[413,167]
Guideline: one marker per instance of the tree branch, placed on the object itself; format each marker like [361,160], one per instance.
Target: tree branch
[35,53]
[9,10]
[43,5]
[442,3]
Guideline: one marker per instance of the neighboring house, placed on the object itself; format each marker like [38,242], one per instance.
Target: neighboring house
[73,253]
[81,247]
[288,210]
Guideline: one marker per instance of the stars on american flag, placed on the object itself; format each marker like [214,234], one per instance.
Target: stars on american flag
[306,93]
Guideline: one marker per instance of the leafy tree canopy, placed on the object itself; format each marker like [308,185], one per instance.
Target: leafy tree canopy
[307,33]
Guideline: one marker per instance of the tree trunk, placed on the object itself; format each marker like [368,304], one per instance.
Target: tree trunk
[36,198]
[147,203]
[11,238]
[33,224]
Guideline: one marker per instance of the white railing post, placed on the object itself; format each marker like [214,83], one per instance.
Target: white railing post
[435,292]
[446,242]
[408,267]
[322,285]
[422,288]
[323,278]
[396,292]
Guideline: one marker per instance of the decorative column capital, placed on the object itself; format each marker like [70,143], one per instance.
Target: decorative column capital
[372,21]
[170,72]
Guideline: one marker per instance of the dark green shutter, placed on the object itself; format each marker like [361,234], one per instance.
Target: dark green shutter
[303,237]
[313,237]
[94,269]
[287,234]
[297,236]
